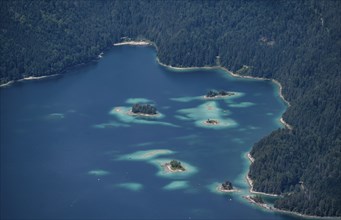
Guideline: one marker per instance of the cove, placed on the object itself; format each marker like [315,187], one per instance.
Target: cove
[66,152]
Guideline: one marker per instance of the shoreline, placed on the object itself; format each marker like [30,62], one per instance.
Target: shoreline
[7,84]
[262,205]
[36,77]
[53,75]
[220,189]
[133,43]
[30,78]
[302,215]
[285,123]
[250,181]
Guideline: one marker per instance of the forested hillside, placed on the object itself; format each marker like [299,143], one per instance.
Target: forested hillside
[297,43]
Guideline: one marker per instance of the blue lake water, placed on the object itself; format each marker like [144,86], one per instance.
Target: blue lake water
[68,150]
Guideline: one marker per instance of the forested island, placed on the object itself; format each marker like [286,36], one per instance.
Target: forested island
[144,109]
[216,94]
[174,166]
[211,122]
[294,42]
[226,187]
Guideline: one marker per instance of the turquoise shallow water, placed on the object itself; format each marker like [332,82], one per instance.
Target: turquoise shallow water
[69,150]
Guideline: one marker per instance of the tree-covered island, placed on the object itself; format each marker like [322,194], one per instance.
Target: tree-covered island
[145,109]
[174,166]
[216,94]
[211,122]
[227,185]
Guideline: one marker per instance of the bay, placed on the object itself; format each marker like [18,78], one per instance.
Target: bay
[68,150]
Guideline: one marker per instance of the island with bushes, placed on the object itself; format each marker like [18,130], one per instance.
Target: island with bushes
[226,187]
[144,109]
[211,122]
[215,94]
[174,166]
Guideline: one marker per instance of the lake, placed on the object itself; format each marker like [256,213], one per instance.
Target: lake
[69,150]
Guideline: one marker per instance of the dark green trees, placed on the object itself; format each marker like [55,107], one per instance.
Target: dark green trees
[213,93]
[144,109]
[176,165]
[227,185]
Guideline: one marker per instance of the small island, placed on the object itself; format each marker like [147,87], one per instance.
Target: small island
[143,109]
[226,187]
[211,122]
[174,166]
[215,94]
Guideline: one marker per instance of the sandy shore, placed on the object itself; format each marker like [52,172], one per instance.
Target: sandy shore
[220,189]
[187,68]
[285,124]
[7,84]
[134,43]
[250,158]
[28,79]
[36,77]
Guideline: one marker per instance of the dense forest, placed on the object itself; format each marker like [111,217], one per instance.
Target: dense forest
[297,43]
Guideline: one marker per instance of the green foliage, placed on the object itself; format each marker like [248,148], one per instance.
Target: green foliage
[143,109]
[176,165]
[297,43]
[227,185]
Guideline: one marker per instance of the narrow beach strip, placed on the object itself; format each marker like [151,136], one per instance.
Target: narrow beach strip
[7,84]
[36,78]
[134,43]
[30,78]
